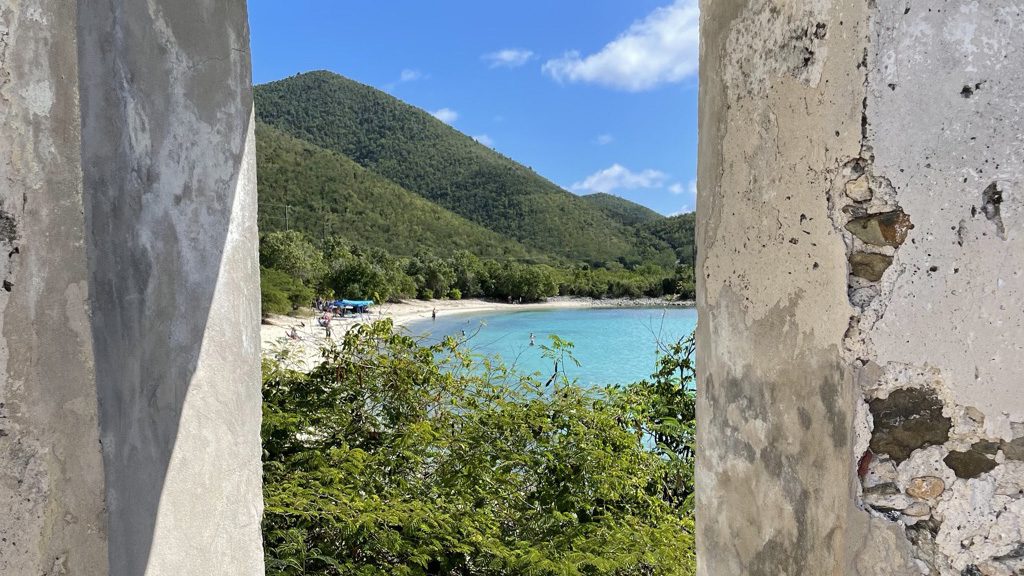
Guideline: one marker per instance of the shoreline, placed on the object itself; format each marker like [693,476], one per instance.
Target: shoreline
[304,353]
[413,310]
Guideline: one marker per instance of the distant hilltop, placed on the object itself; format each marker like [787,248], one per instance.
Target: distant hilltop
[339,158]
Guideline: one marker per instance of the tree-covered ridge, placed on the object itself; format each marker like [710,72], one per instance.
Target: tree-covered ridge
[676,231]
[326,195]
[621,210]
[425,156]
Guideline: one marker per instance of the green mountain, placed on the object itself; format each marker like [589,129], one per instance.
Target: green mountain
[322,193]
[621,210]
[423,155]
[676,231]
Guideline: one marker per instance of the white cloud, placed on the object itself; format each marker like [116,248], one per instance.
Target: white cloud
[662,48]
[508,58]
[404,77]
[690,188]
[485,140]
[691,195]
[604,139]
[617,177]
[446,115]
[409,75]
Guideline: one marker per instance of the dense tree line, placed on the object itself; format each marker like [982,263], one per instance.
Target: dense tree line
[392,458]
[422,155]
[295,269]
[676,231]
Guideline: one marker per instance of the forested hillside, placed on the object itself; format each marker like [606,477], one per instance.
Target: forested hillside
[423,155]
[621,210]
[324,194]
[676,231]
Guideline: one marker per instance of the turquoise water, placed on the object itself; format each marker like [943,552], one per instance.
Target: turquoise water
[613,345]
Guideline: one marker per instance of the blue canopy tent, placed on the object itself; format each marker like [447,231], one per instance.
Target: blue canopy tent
[360,306]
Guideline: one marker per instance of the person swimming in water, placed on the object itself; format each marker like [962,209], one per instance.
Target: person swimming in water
[533,339]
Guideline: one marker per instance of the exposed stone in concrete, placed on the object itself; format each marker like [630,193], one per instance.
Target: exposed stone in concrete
[907,420]
[863,296]
[991,199]
[1015,554]
[925,462]
[773,132]
[1010,479]
[1014,449]
[887,497]
[969,464]
[858,190]
[977,416]
[880,103]
[879,472]
[917,509]
[926,487]
[979,525]
[987,447]
[8,229]
[869,266]
[886,229]
[884,489]
[943,186]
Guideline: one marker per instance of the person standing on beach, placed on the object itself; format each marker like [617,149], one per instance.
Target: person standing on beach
[327,327]
[433,314]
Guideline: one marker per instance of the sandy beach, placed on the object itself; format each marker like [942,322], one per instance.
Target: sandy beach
[304,353]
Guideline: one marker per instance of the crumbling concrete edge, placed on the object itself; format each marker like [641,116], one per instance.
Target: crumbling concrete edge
[947,475]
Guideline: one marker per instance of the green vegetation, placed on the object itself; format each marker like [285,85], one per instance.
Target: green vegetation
[290,252]
[363,196]
[645,281]
[324,194]
[621,210]
[422,155]
[678,232]
[357,272]
[396,459]
[281,293]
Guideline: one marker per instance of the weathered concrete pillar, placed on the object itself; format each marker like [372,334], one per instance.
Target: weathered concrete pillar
[129,357]
[51,474]
[861,239]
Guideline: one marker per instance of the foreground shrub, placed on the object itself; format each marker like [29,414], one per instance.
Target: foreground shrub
[393,458]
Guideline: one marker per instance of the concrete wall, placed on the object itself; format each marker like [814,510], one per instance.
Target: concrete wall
[861,257]
[129,403]
[51,475]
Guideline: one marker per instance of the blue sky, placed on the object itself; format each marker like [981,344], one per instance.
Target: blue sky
[596,95]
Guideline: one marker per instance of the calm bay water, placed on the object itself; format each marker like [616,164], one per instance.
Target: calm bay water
[613,345]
